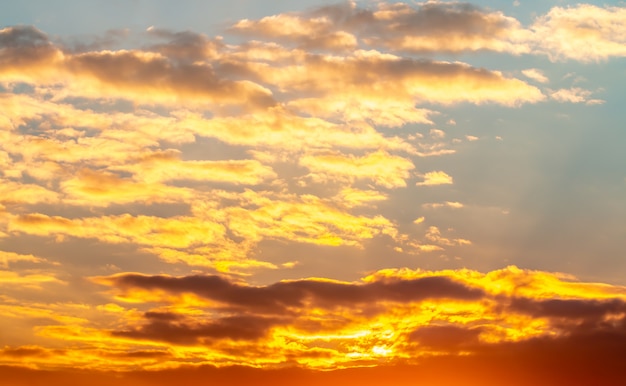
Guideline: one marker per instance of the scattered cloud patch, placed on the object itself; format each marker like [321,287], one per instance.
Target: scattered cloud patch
[436,178]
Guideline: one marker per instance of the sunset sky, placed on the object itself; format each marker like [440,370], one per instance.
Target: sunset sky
[258,192]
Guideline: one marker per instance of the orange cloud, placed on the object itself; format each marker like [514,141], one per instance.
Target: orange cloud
[33,281]
[7,258]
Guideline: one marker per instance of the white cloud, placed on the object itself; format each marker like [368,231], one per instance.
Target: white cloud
[536,75]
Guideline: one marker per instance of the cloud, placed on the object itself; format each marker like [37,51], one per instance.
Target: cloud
[94,188]
[449,204]
[28,351]
[436,178]
[428,27]
[162,167]
[281,297]
[177,232]
[169,328]
[434,235]
[131,74]
[351,197]
[398,316]
[221,224]
[583,32]
[185,46]
[12,192]
[374,76]
[7,258]
[437,134]
[274,127]
[307,33]
[12,279]
[574,95]
[380,167]
[446,27]
[134,74]
[536,75]
[227,256]
[446,338]
[398,313]
[574,310]
[26,50]
[305,219]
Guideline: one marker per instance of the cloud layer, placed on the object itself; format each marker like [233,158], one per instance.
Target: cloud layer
[175,205]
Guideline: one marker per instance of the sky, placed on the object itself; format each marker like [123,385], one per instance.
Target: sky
[312,192]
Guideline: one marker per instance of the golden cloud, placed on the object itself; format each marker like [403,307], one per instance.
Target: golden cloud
[167,167]
[380,167]
[391,314]
[7,258]
[92,188]
[436,178]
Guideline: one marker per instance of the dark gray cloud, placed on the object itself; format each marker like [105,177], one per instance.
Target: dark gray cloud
[184,45]
[109,40]
[24,46]
[173,328]
[447,338]
[137,72]
[575,309]
[462,26]
[22,36]
[169,73]
[279,297]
